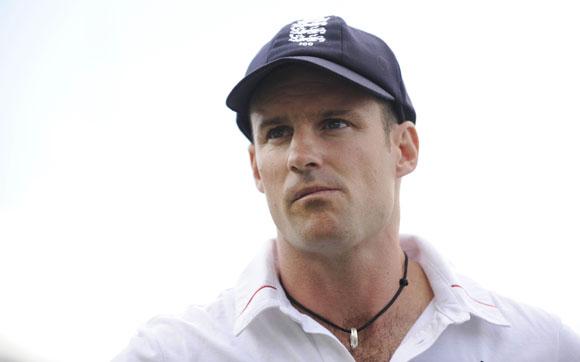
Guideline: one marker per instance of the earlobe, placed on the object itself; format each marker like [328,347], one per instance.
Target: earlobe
[408,148]
[255,170]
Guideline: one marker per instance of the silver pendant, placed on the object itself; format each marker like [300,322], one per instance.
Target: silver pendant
[353,338]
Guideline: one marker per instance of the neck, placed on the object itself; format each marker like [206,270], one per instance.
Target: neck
[349,288]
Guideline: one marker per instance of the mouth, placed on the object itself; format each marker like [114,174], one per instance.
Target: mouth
[313,190]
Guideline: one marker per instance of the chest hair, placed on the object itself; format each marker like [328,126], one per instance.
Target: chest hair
[380,340]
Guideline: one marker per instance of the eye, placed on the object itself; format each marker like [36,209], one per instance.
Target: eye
[335,124]
[278,132]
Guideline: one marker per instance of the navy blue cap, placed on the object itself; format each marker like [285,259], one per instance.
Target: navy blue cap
[330,44]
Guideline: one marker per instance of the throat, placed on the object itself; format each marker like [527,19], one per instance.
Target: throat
[353,331]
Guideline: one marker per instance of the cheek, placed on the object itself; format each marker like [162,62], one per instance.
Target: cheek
[376,177]
[271,172]
[273,186]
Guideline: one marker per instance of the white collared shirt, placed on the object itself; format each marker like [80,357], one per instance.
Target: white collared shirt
[255,322]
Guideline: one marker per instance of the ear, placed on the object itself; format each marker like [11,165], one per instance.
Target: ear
[255,170]
[407,143]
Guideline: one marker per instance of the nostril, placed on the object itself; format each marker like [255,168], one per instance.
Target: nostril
[303,162]
[302,169]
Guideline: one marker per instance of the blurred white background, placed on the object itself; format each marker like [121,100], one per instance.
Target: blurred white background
[125,187]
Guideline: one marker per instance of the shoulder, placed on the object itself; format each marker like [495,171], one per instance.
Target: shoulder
[188,336]
[535,325]
[518,316]
[535,330]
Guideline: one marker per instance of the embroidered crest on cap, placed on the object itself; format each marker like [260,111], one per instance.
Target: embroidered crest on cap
[306,32]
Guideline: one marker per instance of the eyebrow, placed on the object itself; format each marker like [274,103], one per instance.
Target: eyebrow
[269,123]
[335,113]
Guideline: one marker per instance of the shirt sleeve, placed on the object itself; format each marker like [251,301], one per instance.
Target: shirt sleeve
[568,345]
[142,348]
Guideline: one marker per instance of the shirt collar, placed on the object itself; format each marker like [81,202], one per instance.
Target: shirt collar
[456,297]
[258,288]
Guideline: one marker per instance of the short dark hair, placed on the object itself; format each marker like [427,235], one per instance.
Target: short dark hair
[389,116]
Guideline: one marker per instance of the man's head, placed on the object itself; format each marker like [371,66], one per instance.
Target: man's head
[317,103]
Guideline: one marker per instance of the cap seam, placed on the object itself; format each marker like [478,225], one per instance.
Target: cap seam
[341,44]
[270,50]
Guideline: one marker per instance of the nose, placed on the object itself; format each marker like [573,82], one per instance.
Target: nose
[305,152]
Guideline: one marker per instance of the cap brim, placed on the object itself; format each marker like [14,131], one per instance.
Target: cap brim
[240,96]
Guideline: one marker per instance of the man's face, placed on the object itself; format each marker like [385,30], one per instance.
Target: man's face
[321,156]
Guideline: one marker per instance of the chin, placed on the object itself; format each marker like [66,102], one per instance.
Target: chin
[323,237]
[317,228]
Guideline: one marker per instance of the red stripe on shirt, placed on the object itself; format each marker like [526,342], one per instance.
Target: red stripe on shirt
[459,286]
[256,292]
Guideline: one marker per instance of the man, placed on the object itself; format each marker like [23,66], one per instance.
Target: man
[332,134]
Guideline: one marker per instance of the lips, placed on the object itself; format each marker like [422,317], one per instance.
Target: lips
[310,190]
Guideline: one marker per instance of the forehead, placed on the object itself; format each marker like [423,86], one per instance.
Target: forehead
[296,81]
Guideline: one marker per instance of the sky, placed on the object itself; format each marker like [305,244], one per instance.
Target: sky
[125,186]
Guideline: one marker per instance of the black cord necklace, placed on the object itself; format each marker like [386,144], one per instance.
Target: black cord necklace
[403,282]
